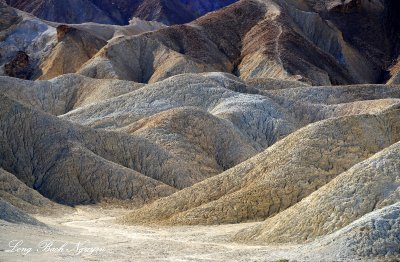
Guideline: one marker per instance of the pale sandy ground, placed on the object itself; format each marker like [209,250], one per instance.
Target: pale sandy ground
[95,228]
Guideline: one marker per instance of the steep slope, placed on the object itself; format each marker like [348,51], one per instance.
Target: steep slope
[280,176]
[199,143]
[63,162]
[367,26]
[80,44]
[209,124]
[119,11]
[368,186]
[199,138]
[320,43]
[177,11]
[252,39]
[32,48]
[83,41]
[72,164]
[24,42]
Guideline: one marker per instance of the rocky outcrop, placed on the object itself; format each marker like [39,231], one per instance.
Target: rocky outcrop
[80,44]
[32,49]
[19,67]
[62,31]
[24,42]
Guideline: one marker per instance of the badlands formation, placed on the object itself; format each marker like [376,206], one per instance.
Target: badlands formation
[251,130]
[118,11]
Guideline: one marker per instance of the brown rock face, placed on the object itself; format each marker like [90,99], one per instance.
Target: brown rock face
[19,67]
[73,49]
[62,30]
